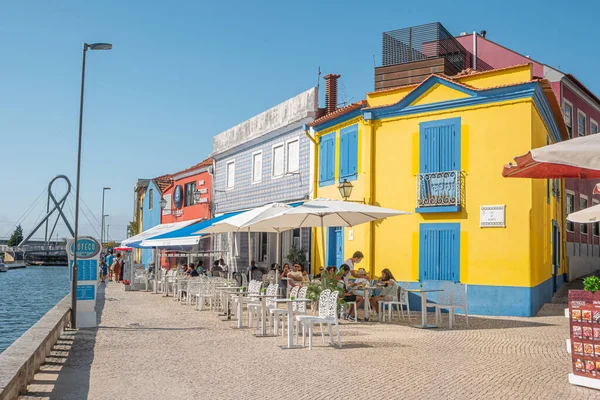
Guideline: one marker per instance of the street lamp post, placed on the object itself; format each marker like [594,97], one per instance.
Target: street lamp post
[105,234]
[104,189]
[86,47]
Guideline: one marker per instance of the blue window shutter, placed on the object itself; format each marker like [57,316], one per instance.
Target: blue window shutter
[343,154]
[349,151]
[326,159]
[440,143]
[353,151]
[439,252]
[322,159]
[331,158]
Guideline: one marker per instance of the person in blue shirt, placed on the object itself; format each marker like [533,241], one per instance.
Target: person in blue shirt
[109,263]
[104,271]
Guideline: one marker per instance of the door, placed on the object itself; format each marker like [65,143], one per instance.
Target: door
[339,246]
[439,252]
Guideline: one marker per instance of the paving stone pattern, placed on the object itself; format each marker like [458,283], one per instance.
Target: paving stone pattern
[149,347]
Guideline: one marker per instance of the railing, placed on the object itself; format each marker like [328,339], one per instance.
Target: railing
[439,189]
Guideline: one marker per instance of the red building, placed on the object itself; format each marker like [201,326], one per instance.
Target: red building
[188,198]
[581,110]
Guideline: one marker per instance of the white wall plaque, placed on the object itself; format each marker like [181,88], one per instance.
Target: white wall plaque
[350,234]
[202,200]
[203,191]
[492,216]
[201,182]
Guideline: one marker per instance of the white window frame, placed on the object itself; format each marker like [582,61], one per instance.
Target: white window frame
[587,200]
[595,203]
[579,112]
[277,145]
[287,158]
[567,194]
[594,122]
[261,167]
[568,123]
[227,187]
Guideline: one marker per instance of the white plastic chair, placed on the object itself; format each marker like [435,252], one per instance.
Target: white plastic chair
[330,318]
[277,312]
[457,299]
[254,308]
[400,301]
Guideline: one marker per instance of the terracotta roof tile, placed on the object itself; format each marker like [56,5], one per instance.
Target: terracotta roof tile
[205,163]
[163,182]
[338,112]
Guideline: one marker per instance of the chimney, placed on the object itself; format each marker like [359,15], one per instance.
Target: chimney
[331,92]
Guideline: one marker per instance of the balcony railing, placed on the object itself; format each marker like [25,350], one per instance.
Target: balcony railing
[439,189]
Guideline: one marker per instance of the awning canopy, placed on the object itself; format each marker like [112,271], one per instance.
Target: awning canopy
[574,158]
[184,236]
[135,241]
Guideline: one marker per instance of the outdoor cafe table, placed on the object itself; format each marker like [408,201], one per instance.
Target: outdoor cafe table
[423,293]
[367,305]
[224,289]
[290,318]
[264,312]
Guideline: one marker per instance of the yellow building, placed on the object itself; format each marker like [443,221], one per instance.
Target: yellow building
[437,149]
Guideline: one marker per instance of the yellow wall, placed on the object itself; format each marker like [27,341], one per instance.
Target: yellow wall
[491,135]
[360,192]
[498,78]
[489,256]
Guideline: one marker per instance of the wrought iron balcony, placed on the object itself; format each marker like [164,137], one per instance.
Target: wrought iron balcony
[439,189]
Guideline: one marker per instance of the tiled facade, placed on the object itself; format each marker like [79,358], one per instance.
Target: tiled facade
[280,125]
[246,194]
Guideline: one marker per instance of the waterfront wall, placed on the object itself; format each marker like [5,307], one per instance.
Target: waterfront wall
[23,358]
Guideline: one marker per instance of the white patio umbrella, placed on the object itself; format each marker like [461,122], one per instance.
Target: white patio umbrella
[585,216]
[243,222]
[324,213]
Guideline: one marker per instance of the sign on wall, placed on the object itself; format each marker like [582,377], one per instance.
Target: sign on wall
[169,199]
[493,216]
[178,196]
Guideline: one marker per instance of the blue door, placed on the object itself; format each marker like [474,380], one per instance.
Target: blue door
[439,252]
[339,246]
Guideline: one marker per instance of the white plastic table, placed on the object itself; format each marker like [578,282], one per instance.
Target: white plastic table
[263,313]
[290,318]
[423,292]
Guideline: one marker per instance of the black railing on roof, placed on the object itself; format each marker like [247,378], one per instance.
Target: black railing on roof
[418,43]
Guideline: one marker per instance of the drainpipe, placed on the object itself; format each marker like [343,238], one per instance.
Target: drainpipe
[369,139]
[313,232]
[474,50]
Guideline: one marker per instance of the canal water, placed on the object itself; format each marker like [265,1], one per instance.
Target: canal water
[26,295]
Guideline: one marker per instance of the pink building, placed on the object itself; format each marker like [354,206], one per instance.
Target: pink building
[581,110]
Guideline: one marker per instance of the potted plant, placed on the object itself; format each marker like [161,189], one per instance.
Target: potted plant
[125,285]
[296,256]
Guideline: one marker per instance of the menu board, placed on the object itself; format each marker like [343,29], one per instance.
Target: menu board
[584,311]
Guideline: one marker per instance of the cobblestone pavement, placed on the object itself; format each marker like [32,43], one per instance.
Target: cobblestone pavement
[149,347]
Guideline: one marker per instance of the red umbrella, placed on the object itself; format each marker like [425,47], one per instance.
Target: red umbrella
[575,158]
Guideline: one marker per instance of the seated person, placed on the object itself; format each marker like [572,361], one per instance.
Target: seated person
[357,286]
[192,271]
[318,276]
[296,277]
[349,296]
[389,289]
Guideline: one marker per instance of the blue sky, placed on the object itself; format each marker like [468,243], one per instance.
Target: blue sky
[181,72]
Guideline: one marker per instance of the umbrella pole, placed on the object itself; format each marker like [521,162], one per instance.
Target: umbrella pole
[323,243]
[278,257]
[249,256]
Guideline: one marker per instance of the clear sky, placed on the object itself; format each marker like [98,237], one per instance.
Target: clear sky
[181,72]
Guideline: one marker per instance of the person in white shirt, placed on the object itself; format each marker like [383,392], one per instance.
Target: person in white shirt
[356,259]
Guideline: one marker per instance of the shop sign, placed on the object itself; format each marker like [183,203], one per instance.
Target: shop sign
[178,196]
